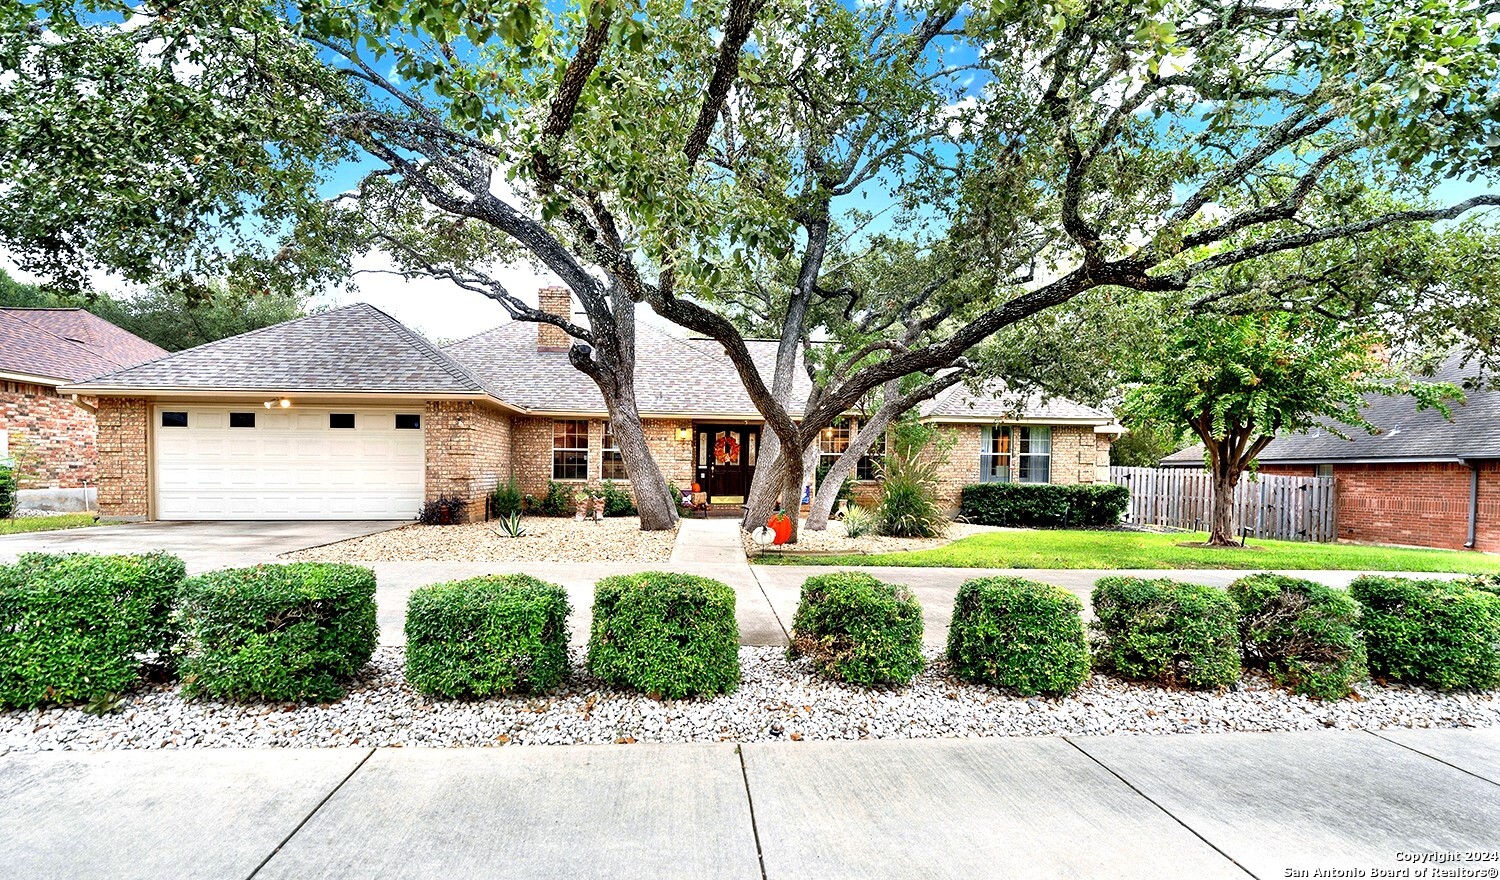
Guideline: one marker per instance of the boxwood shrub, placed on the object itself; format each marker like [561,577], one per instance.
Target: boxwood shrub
[276,632]
[1166,631]
[1445,634]
[858,629]
[669,635]
[77,628]
[498,634]
[1043,504]
[1305,635]
[1018,634]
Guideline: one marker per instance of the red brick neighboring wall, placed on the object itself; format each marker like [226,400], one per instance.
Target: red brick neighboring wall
[51,438]
[1425,505]
[124,455]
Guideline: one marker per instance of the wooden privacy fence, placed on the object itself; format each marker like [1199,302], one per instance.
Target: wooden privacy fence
[1287,508]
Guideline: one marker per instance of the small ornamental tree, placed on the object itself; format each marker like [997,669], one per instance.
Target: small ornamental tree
[1236,382]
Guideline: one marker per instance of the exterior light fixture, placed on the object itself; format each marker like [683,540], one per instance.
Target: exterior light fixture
[684,434]
[284,402]
[281,402]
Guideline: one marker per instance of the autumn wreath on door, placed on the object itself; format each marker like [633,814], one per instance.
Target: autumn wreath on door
[726,449]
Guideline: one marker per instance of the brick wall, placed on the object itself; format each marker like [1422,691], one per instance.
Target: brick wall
[50,437]
[1078,455]
[531,440]
[124,454]
[1425,505]
[468,450]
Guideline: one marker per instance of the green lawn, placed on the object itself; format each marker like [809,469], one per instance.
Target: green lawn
[1084,549]
[45,523]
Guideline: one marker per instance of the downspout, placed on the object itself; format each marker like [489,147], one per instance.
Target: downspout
[1473,502]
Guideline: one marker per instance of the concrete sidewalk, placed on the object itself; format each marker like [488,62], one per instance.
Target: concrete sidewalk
[1230,805]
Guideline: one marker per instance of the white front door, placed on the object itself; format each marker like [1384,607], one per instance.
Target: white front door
[244,462]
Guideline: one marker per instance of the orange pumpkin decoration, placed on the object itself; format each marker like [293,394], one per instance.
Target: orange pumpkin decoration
[781,525]
[696,488]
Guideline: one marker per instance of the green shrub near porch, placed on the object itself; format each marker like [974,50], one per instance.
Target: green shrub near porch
[1445,634]
[81,627]
[1305,635]
[858,629]
[1166,631]
[276,632]
[668,635]
[497,634]
[1043,505]
[1018,634]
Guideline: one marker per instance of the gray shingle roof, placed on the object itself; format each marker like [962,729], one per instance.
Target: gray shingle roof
[1404,433]
[67,344]
[995,402]
[673,375]
[357,348]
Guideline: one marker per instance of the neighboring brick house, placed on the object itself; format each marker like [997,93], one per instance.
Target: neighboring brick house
[1421,479]
[50,435]
[350,414]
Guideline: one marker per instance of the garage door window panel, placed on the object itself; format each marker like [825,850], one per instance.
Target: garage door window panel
[174,420]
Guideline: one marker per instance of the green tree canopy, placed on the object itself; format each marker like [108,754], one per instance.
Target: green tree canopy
[1235,382]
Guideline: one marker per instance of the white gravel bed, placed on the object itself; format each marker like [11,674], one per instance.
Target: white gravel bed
[547,539]
[777,699]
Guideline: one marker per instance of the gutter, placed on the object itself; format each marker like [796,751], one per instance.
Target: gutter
[1473,502]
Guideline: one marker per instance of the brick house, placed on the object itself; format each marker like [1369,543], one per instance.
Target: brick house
[48,434]
[1420,480]
[351,415]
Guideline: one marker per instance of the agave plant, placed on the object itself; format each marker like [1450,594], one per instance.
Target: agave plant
[510,525]
[857,521]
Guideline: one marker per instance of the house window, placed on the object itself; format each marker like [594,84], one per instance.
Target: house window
[869,463]
[832,442]
[1323,470]
[1036,455]
[612,464]
[994,455]
[174,420]
[570,449]
[341,420]
[242,420]
[408,422]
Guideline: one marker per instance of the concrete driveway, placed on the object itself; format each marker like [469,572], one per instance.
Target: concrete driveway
[202,545]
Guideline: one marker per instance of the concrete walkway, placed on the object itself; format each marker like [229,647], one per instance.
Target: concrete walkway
[710,541]
[1230,805]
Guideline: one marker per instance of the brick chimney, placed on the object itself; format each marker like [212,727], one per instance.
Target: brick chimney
[554,301]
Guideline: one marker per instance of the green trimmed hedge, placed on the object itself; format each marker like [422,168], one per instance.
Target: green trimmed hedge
[1305,635]
[1166,631]
[497,634]
[1445,634]
[7,490]
[1018,634]
[858,629]
[78,628]
[1043,504]
[276,632]
[669,635]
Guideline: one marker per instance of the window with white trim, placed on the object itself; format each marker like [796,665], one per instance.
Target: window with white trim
[994,454]
[832,441]
[1036,454]
[869,464]
[570,449]
[611,462]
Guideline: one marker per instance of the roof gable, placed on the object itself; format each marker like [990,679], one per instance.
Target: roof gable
[357,348]
[67,344]
[995,402]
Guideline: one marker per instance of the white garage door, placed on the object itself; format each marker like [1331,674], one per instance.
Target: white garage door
[295,463]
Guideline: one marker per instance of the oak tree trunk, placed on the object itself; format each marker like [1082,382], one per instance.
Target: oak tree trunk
[657,509]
